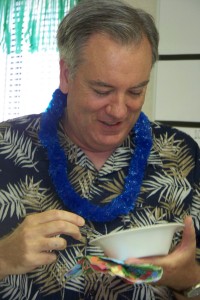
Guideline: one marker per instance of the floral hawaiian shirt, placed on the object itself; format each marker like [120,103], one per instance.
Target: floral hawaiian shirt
[170,190]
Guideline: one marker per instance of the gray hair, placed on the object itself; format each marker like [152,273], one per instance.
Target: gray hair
[120,21]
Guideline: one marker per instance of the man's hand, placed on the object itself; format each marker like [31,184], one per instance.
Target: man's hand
[180,268]
[29,245]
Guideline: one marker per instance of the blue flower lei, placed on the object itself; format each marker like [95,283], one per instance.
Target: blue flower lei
[123,203]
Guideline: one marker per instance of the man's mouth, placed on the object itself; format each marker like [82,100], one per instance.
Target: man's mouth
[111,124]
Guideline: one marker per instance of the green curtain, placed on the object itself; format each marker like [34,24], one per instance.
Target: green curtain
[30,23]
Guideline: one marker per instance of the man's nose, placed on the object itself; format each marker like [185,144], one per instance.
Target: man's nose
[117,107]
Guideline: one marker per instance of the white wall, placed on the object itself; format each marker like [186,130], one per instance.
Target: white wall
[177,80]
[179,26]
[174,90]
[151,7]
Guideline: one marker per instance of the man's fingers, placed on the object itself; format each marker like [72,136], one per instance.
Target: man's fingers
[54,215]
[58,227]
[189,237]
[44,258]
[54,243]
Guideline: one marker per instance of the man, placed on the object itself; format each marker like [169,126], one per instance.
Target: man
[94,158]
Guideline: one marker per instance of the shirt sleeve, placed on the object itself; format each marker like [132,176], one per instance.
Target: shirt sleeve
[195,208]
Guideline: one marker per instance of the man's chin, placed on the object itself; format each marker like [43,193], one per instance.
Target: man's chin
[109,144]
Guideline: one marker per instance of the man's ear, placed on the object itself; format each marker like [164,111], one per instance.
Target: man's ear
[64,77]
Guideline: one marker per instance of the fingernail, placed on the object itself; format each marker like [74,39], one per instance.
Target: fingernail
[81,221]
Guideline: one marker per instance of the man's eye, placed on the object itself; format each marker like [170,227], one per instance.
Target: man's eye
[136,93]
[102,93]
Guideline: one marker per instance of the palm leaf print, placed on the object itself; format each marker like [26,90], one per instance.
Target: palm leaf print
[80,180]
[195,211]
[52,276]
[10,288]
[166,189]
[115,187]
[18,148]
[161,293]
[32,130]
[174,154]
[22,120]
[27,194]
[10,202]
[36,198]
[145,218]
[143,291]
[45,276]
[3,127]
[106,286]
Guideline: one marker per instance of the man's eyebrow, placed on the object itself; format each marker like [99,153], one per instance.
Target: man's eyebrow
[141,84]
[100,83]
[107,85]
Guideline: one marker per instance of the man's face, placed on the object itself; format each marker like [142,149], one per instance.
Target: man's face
[106,94]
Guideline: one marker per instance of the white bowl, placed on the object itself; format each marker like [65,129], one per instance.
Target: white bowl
[138,242]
